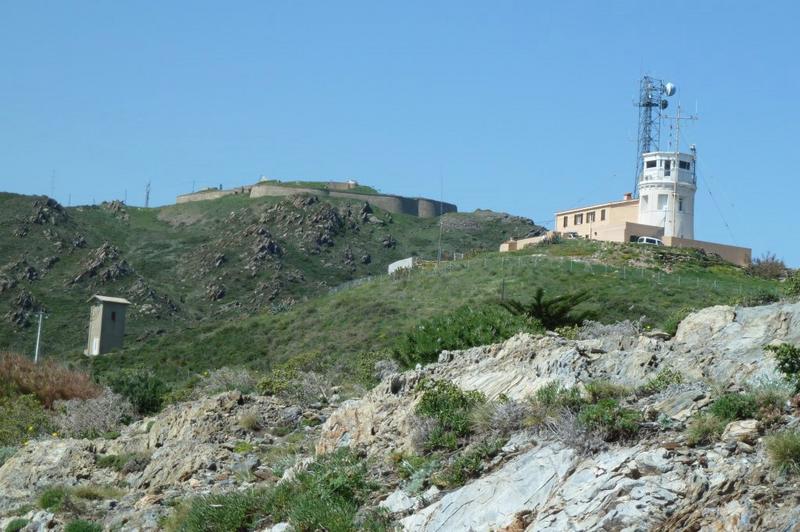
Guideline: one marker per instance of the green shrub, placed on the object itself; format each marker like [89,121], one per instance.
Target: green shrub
[126,462]
[461,329]
[671,324]
[145,390]
[53,498]
[468,464]
[91,492]
[6,453]
[327,495]
[732,406]
[793,284]
[600,389]
[768,266]
[553,312]
[21,419]
[450,407]
[224,512]
[610,420]
[82,526]
[278,381]
[788,358]
[783,450]
[414,469]
[661,381]
[771,394]
[16,525]
[704,429]
[553,394]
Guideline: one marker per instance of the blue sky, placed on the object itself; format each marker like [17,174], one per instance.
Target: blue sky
[524,107]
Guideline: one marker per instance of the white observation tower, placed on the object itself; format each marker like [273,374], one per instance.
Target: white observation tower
[666,192]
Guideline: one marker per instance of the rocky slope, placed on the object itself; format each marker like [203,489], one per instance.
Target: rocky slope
[541,479]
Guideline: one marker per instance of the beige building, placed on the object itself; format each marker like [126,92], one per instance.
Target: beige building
[664,211]
[106,324]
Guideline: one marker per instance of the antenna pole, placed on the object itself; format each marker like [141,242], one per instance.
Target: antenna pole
[147,195]
[38,338]
[441,220]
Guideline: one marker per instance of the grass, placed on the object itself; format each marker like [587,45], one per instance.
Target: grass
[732,406]
[16,525]
[704,429]
[349,324]
[326,496]
[610,420]
[59,498]
[783,449]
[81,525]
[172,250]
[126,462]
[660,382]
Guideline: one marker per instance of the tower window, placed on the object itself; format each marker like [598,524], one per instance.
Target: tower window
[686,165]
[113,316]
[578,219]
[650,164]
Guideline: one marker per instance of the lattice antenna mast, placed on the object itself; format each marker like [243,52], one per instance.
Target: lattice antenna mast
[651,103]
[147,195]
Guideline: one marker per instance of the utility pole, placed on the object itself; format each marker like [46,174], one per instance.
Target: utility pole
[147,195]
[38,337]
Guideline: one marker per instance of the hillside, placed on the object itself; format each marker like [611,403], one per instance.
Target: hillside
[184,265]
[357,324]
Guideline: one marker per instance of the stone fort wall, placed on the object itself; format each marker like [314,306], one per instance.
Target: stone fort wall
[422,207]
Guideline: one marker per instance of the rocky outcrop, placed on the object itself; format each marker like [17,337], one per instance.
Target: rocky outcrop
[550,483]
[190,448]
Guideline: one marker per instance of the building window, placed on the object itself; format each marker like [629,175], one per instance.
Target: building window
[113,316]
[565,220]
[680,204]
[644,201]
[602,215]
[650,164]
[686,165]
[578,219]
[663,199]
[667,165]
[589,217]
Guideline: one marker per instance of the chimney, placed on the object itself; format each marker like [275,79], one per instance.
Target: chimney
[627,196]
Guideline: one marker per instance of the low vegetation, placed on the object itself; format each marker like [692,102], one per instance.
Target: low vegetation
[81,525]
[450,409]
[788,359]
[783,449]
[144,389]
[466,327]
[665,378]
[22,418]
[16,525]
[47,382]
[704,429]
[326,496]
[768,266]
[733,406]
[552,312]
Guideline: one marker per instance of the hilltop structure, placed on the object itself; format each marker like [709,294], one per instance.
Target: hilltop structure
[422,207]
[663,209]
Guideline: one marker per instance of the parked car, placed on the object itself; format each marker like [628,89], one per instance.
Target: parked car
[649,240]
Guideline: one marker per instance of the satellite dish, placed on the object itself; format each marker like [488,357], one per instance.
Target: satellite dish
[669,89]
[663,104]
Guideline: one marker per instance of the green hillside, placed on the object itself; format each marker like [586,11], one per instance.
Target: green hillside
[626,281]
[195,263]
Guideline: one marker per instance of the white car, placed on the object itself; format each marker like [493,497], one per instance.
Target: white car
[649,240]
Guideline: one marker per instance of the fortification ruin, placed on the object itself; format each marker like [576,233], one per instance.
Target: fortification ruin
[422,207]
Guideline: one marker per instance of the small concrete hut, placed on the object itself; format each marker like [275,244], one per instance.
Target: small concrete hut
[106,324]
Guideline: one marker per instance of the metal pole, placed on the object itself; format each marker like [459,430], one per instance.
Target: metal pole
[38,339]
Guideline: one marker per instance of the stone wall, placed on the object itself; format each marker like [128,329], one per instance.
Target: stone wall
[210,194]
[424,208]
